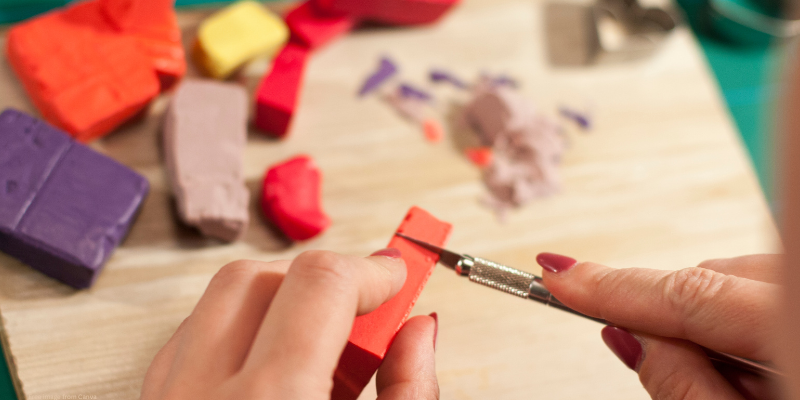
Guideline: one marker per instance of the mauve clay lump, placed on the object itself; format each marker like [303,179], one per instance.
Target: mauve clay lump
[204,138]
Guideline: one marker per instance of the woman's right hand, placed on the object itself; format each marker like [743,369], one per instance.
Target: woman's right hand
[728,305]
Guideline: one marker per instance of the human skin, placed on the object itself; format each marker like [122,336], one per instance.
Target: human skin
[239,342]
[728,305]
[256,333]
[668,322]
[789,126]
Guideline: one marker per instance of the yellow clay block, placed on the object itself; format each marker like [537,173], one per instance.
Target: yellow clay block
[237,34]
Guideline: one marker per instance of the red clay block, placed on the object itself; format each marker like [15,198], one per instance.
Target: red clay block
[373,333]
[393,12]
[291,198]
[315,29]
[86,73]
[278,92]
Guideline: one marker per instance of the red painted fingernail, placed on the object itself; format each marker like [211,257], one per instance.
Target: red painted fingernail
[624,345]
[390,252]
[435,327]
[555,262]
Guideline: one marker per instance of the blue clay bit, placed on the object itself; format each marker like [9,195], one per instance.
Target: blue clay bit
[64,207]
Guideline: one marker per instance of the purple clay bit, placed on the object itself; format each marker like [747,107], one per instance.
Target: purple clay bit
[438,75]
[64,208]
[386,70]
[505,80]
[409,91]
[579,118]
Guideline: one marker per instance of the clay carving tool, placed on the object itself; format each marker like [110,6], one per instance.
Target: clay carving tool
[528,286]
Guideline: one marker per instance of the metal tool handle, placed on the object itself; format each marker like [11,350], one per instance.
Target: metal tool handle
[516,282]
[529,286]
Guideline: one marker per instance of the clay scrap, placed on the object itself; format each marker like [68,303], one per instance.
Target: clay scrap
[386,69]
[204,138]
[581,119]
[414,105]
[440,75]
[64,207]
[520,147]
[526,145]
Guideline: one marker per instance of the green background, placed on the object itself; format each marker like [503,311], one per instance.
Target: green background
[747,77]
[17,10]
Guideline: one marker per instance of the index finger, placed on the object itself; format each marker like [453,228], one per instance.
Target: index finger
[307,326]
[709,308]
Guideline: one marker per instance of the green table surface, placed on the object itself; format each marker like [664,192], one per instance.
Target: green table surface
[747,78]
[6,387]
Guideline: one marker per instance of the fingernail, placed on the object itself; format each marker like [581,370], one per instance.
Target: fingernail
[390,252]
[555,262]
[435,327]
[624,345]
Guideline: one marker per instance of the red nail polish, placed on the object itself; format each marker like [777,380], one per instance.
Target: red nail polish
[555,262]
[624,345]
[435,327]
[390,252]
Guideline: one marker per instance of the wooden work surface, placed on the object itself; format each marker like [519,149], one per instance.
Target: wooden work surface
[662,182]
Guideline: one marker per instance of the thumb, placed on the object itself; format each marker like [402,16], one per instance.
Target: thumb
[408,371]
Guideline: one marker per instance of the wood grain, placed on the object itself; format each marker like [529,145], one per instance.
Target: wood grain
[661,182]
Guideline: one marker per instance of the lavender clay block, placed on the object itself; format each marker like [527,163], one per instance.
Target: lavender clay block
[204,138]
[64,208]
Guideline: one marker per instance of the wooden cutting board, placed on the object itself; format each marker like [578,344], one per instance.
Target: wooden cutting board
[661,181]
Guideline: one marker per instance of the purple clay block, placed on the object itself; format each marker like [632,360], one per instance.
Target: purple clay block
[409,91]
[579,118]
[386,70]
[64,208]
[438,75]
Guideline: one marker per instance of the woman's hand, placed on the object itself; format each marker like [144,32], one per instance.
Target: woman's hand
[276,330]
[728,305]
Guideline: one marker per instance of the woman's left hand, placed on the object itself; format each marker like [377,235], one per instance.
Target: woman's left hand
[275,330]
